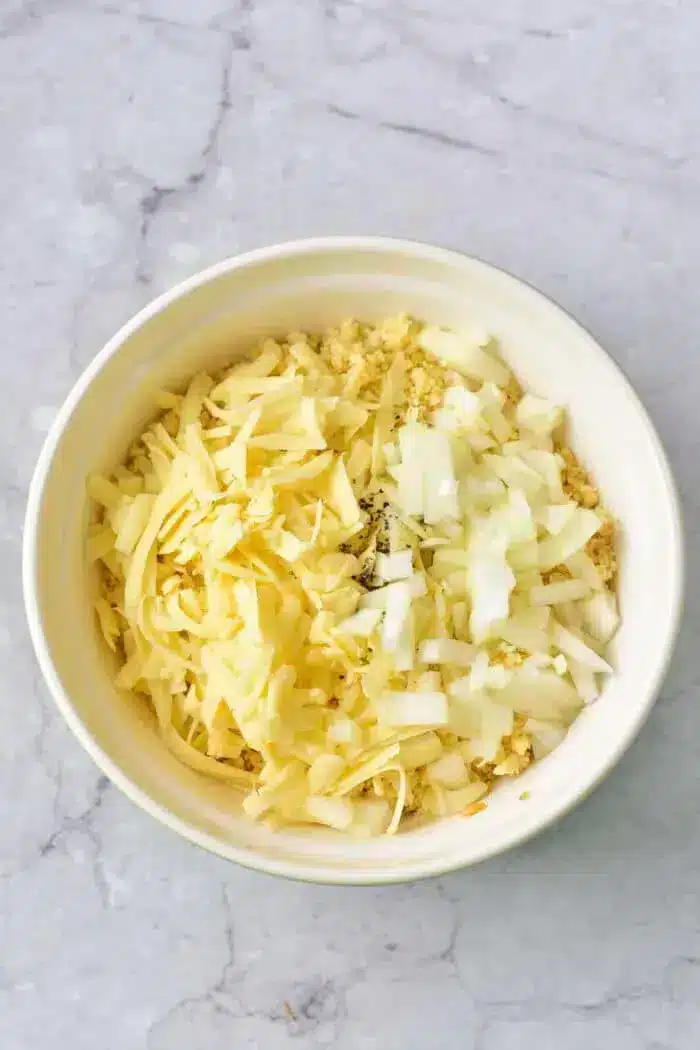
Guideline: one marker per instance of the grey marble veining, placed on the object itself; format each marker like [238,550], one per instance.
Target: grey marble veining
[142,139]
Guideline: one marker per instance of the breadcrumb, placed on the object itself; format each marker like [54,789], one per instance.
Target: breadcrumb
[576,481]
[508,656]
[557,574]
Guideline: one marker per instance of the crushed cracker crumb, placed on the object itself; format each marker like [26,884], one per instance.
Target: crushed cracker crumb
[576,481]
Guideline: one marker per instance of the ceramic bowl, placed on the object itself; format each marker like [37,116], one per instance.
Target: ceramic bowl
[206,322]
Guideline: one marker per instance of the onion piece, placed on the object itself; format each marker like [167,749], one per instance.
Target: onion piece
[574,646]
[413,709]
[490,581]
[420,750]
[559,591]
[581,526]
[361,624]
[584,678]
[446,651]
[545,736]
[379,598]
[450,770]
[523,636]
[323,771]
[465,352]
[460,410]
[537,414]
[556,515]
[600,616]
[543,694]
[337,813]
[371,817]
[582,567]
[396,566]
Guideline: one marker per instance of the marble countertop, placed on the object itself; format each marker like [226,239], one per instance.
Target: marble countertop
[143,139]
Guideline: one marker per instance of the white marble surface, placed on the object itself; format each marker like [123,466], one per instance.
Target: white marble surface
[142,139]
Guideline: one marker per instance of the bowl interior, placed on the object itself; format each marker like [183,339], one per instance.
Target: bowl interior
[210,321]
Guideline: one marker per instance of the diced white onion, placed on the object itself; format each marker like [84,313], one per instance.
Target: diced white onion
[420,750]
[395,566]
[537,414]
[446,651]
[379,598]
[544,695]
[559,591]
[545,736]
[449,770]
[584,679]
[600,616]
[335,812]
[361,624]
[323,771]
[573,645]
[581,526]
[413,709]
[465,353]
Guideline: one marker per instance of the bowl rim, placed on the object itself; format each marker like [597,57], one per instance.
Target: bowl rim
[244,856]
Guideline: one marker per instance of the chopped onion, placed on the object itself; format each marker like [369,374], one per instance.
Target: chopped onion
[548,466]
[583,567]
[465,353]
[555,516]
[361,624]
[396,566]
[560,591]
[323,771]
[543,694]
[413,709]
[573,536]
[371,817]
[397,629]
[545,736]
[573,645]
[344,731]
[584,679]
[450,770]
[429,682]
[523,636]
[600,616]
[426,481]
[524,557]
[446,651]
[460,410]
[335,812]
[379,598]
[515,472]
[537,414]
[490,581]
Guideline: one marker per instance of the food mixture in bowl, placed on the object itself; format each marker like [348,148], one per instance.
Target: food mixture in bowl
[359,575]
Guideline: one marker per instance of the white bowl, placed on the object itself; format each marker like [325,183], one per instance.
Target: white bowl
[311,284]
